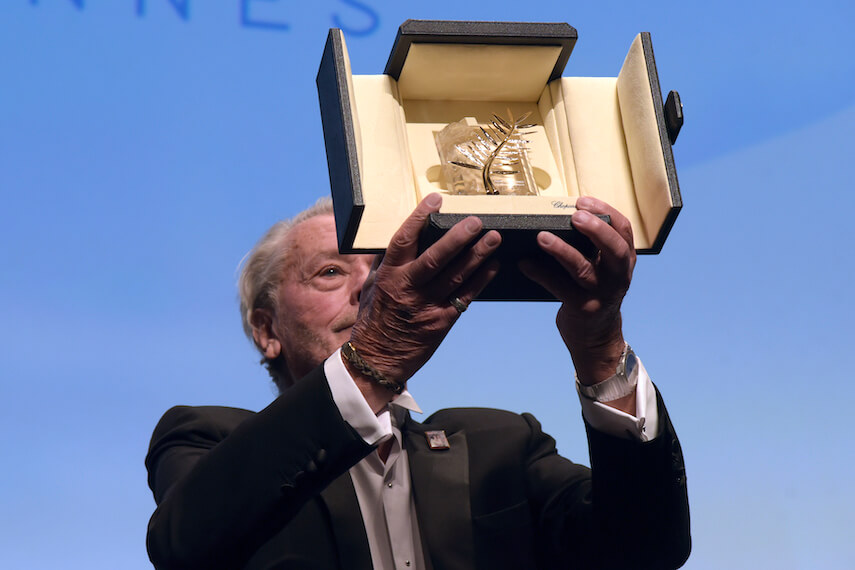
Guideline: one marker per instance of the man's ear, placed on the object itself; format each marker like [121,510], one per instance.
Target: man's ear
[265,338]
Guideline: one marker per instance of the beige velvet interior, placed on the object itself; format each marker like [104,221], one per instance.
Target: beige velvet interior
[644,147]
[471,72]
[593,116]
[594,136]
[388,183]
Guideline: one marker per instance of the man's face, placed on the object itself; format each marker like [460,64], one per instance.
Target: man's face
[318,295]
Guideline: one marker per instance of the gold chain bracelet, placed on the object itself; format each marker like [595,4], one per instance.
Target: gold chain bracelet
[352,356]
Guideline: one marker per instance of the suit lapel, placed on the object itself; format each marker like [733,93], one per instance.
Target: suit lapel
[346,520]
[440,480]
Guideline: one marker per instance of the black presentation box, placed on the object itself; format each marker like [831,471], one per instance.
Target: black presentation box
[607,137]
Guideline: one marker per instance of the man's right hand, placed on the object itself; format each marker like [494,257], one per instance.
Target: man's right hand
[405,310]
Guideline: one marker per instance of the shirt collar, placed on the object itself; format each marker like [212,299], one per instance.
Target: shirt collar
[403,403]
[405,400]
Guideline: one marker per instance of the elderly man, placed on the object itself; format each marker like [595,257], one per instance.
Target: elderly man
[335,473]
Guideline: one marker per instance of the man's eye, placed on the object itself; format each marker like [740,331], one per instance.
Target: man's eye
[330,271]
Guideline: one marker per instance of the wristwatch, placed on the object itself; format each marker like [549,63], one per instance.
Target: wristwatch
[621,384]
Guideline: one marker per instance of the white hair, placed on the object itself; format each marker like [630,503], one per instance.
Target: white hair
[260,275]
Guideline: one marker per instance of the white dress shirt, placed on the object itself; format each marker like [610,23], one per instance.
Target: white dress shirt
[383,489]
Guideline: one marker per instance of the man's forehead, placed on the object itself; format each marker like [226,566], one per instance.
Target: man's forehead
[315,236]
[314,241]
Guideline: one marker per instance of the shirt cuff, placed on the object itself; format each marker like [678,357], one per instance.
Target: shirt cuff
[643,426]
[352,405]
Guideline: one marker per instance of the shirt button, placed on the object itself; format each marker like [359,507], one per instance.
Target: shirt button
[406,563]
[389,485]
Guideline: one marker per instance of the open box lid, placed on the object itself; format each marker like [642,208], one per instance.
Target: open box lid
[609,137]
[435,33]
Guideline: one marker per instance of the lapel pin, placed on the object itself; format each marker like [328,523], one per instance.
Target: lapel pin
[437,440]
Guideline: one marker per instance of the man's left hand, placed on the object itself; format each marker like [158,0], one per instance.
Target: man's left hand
[591,289]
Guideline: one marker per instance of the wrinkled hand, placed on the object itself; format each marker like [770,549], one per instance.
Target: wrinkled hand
[404,311]
[591,290]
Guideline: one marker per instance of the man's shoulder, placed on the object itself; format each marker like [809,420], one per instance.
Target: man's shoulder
[500,436]
[205,422]
[215,415]
[481,419]
[190,430]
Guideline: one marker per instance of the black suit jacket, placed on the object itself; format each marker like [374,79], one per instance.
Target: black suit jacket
[238,489]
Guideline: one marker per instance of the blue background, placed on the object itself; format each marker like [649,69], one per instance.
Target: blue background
[146,144]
